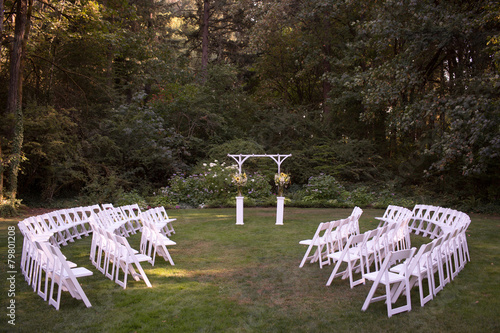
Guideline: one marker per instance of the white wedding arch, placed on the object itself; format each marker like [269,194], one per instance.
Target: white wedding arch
[240,159]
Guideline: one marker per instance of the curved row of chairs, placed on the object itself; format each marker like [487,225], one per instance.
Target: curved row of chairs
[384,255]
[43,264]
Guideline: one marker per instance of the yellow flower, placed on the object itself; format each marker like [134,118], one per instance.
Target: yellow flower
[281,180]
[240,179]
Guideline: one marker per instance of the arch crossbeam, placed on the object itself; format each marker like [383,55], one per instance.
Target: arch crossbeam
[241,158]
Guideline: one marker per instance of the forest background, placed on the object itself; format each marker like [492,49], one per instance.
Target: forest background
[379,102]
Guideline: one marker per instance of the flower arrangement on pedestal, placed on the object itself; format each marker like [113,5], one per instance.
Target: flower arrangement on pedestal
[282,180]
[240,180]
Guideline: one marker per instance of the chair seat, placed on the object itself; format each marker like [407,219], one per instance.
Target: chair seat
[42,237]
[139,257]
[319,241]
[418,270]
[81,271]
[167,241]
[353,254]
[393,277]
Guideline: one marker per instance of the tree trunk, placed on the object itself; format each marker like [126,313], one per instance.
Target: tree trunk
[327,68]
[14,98]
[204,46]
[1,43]
[1,170]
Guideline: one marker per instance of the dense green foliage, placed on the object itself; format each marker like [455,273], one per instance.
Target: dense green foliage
[382,96]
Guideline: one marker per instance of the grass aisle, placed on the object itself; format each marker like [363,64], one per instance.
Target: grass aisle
[230,278]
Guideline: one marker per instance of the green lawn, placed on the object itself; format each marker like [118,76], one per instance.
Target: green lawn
[230,278]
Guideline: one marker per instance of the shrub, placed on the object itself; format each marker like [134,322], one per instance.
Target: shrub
[130,198]
[210,185]
[388,197]
[361,196]
[211,182]
[8,207]
[101,188]
[258,187]
[324,187]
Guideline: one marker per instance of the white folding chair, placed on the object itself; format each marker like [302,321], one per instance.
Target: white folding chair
[42,263]
[435,222]
[390,215]
[438,265]
[448,222]
[162,220]
[320,240]
[112,254]
[121,221]
[352,255]
[465,222]
[99,247]
[378,246]
[107,206]
[59,231]
[399,234]
[146,244]
[420,268]
[45,260]
[356,214]
[416,216]
[106,221]
[38,225]
[57,225]
[454,253]
[153,242]
[90,210]
[133,214]
[340,233]
[67,218]
[66,279]
[78,217]
[128,262]
[36,261]
[367,249]
[27,251]
[391,281]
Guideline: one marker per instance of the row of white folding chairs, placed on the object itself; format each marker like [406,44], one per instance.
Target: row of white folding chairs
[444,256]
[330,236]
[60,227]
[65,225]
[43,263]
[393,214]
[363,251]
[433,221]
[113,256]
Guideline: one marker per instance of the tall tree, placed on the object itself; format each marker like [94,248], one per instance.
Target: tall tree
[204,43]
[1,32]
[431,74]
[218,31]
[15,96]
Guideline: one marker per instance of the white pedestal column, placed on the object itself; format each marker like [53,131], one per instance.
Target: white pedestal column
[239,210]
[280,207]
